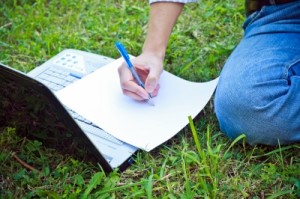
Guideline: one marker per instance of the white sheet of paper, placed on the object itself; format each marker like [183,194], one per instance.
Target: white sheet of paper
[98,97]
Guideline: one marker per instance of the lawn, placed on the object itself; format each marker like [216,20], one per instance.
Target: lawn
[199,162]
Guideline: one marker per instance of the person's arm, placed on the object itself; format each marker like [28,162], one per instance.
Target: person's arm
[149,64]
[163,16]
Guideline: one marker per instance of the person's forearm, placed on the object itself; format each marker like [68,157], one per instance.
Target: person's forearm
[163,16]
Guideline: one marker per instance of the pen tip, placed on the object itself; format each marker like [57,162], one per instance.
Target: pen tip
[150,101]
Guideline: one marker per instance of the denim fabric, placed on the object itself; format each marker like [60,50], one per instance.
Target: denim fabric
[258,93]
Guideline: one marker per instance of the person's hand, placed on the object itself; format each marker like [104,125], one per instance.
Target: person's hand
[149,67]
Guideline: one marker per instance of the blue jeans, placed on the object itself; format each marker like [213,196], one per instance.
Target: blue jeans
[258,93]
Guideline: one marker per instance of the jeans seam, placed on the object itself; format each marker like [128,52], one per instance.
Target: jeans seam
[256,14]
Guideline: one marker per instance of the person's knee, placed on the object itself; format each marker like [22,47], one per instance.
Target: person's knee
[226,110]
[237,116]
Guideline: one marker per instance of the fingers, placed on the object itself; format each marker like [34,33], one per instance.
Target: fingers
[131,89]
[149,70]
[129,86]
[151,84]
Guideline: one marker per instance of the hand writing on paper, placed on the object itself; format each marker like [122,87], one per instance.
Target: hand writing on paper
[149,67]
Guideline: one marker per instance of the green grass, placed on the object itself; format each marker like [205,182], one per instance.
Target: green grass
[200,162]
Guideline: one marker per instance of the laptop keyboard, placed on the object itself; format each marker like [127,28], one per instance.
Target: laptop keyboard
[56,79]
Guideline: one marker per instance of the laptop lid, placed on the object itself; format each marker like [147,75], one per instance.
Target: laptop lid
[67,67]
[35,112]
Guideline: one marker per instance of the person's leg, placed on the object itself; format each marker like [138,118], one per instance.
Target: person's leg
[258,93]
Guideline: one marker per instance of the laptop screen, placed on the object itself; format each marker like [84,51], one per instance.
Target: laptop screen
[34,111]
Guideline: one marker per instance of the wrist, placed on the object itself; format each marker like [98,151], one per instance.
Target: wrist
[155,50]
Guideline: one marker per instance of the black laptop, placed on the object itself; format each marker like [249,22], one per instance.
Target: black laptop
[28,103]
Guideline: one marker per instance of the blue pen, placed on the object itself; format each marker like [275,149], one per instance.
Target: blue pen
[125,55]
